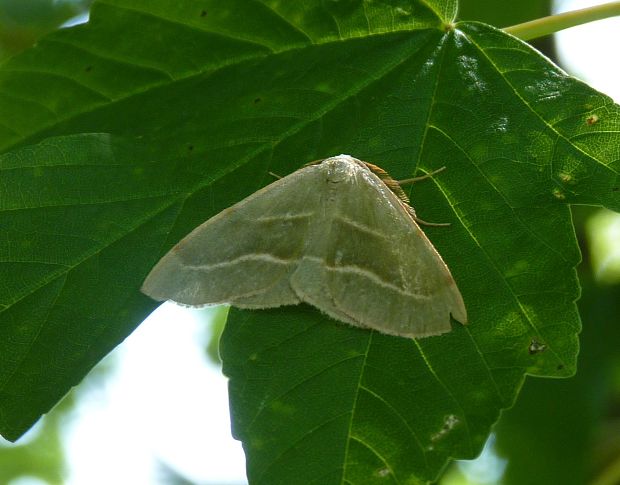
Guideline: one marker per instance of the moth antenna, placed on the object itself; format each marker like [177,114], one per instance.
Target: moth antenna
[395,187]
[421,177]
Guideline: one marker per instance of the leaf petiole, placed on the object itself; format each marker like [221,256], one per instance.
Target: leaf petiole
[554,23]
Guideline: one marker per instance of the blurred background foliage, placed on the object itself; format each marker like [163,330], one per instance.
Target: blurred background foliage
[560,431]
[22,22]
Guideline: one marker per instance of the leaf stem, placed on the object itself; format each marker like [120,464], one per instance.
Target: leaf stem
[554,23]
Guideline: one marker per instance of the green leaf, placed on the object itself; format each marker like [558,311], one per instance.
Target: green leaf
[561,431]
[81,220]
[190,104]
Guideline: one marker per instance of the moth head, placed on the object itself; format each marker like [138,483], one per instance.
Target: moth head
[340,168]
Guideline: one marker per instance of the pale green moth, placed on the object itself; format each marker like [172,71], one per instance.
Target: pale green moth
[337,234]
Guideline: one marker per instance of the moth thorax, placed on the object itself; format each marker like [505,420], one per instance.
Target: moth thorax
[339,169]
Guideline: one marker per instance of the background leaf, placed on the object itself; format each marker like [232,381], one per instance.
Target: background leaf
[24,22]
[194,105]
[490,12]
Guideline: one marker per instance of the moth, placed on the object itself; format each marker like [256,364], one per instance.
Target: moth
[338,234]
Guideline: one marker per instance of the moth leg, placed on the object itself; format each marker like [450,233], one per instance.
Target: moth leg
[421,177]
[425,223]
[411,211]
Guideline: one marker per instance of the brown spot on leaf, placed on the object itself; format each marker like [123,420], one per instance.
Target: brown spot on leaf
[565,177]
[536,347]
